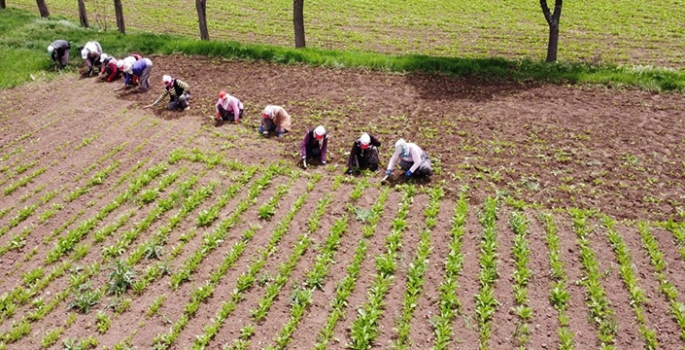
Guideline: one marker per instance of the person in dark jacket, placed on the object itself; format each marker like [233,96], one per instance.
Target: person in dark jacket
[178,92]
[364,154]
[314,145]
[59,52]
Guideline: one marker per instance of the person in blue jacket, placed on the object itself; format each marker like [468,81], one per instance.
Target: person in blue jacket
[140,69]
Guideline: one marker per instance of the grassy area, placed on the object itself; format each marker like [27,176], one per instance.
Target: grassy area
[602,31]
[25,36]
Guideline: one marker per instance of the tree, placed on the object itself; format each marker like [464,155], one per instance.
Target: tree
[43,8]
[119,11]
[2,4]
[82,15]
[201,6]
[298,21]
[553,22]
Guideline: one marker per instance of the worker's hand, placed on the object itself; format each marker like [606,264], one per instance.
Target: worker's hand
[387,172]
[323,162]
[146,107]
[218,115]
[408,173]
[237,121]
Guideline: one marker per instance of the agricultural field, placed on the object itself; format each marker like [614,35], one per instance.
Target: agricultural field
[625,31]
[553,219]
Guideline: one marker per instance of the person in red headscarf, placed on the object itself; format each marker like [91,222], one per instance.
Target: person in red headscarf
[228,108]
[364,154]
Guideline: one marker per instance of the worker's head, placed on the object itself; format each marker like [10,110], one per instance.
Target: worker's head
[401,146]
[104,57]
[365,141]
[268,112]
[120,64]
[51,49]
[166,79]
[84,53]
[223,95]
[128,67]
[319,132]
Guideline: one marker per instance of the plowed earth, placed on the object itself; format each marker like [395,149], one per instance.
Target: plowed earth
[71,147]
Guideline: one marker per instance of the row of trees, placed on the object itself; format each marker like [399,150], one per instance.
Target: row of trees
[552,19]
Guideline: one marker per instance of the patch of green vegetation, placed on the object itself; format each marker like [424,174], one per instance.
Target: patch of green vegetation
[25,37]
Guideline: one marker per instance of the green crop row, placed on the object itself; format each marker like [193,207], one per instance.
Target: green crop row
[449,300]
[638,297]
[601,313]
[667,288]
[521,277]
[346,286]
[417,269]
[245,281]
[364,328]
[558,295]
[486,304]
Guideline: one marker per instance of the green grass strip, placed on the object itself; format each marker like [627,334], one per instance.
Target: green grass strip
[25,37]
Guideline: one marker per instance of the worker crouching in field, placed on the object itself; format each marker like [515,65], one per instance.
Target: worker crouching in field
[274,119]
[228,108]
[91,53]
[413,160]
[109,70]
[59,52]
[140,69]
[178,92]
[314,145]
[364,154]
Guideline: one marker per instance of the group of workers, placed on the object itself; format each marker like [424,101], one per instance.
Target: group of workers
[275,119]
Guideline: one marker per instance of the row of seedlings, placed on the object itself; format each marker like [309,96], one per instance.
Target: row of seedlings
[660,266]
[521,277]
[558,296]
[315,276]
[364,328]
[486,303]
[201,294]
[601,313]
[211,241]
[301,297]
[417,269]
[449,300]
[247,279]
[18,240]
[122,273]
[678,231]
[638,298]
[36,274]
[346,286]
[20,295]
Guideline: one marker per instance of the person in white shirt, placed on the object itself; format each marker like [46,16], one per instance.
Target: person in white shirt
[413,160]
[228,108]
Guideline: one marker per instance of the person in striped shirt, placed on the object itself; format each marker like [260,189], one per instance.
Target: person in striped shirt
[178,92]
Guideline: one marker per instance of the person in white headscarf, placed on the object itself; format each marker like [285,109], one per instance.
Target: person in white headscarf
[314,145]
[413,160]
[91,54]
[364,154]
[59,52]
[276,119]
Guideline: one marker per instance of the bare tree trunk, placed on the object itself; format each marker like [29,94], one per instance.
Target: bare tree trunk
[2,4]
[201,6]
[82,15]
[120,16]
[298,21]
[553,22]
[43,8]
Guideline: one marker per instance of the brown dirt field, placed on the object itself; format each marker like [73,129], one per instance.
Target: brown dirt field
[619,152]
